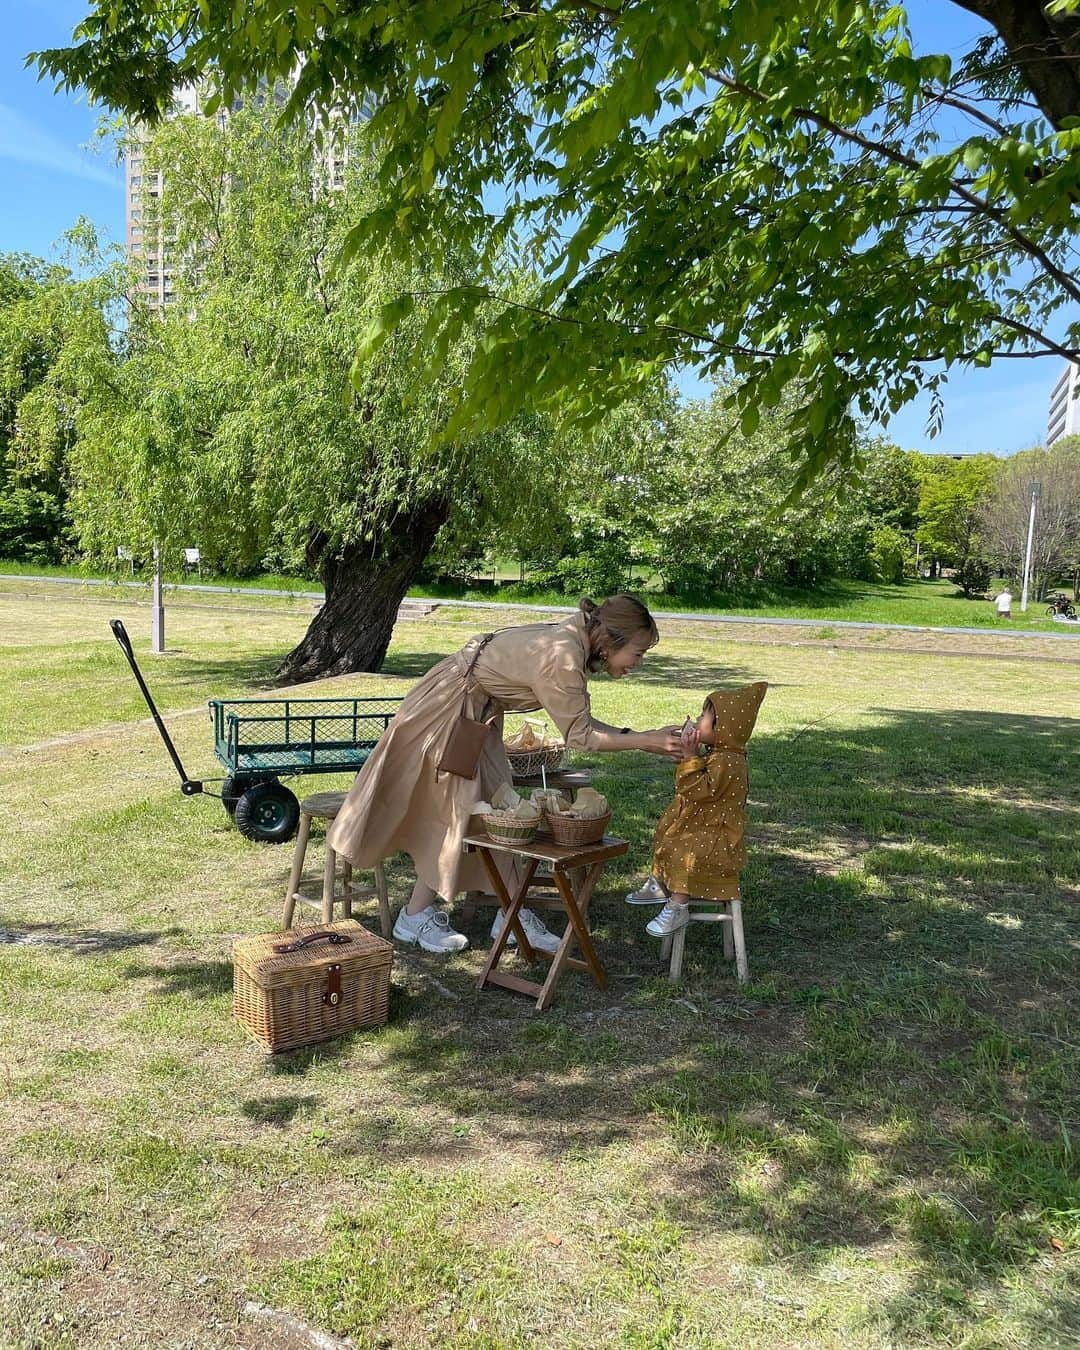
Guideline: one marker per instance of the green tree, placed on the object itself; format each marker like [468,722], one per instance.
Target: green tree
[785,194]
[888,552]
[1055,474]
[952,504]
[233,424]
[721,511]
[55,331]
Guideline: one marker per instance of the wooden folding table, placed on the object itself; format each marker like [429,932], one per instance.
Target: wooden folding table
[575,872]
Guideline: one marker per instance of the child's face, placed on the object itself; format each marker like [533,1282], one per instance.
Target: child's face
[700,732]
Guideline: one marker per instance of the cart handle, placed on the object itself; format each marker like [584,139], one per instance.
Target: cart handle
[188,786]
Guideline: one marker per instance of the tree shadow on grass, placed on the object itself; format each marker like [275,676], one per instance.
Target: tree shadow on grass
[80,941]
[899,1070]
[189,979]
[896,1077]
[278,1110]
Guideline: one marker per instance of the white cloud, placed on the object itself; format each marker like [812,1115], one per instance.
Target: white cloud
[26,143]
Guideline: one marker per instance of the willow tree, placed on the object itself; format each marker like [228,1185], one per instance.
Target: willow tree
[796,196]
[56,333]
[234,426]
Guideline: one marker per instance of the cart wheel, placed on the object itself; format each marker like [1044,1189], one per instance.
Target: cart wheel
[268,813]
[231,791]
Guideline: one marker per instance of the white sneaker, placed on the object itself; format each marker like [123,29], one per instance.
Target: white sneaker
[535,931]
[431,928]
[652,893]
[670,919]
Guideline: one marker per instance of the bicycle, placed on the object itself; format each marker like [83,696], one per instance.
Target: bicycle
[1061,604]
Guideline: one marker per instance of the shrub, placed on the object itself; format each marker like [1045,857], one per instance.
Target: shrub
[888,549]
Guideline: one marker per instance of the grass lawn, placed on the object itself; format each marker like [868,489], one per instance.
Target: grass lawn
[936,604]
[868,1146]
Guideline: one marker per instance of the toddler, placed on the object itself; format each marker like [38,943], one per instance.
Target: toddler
[698,850]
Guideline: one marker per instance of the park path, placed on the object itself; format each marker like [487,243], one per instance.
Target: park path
[418,607]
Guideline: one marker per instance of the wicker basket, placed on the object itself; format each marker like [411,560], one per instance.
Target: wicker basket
[573,831]
[528,763]
[505,831]
[335,979]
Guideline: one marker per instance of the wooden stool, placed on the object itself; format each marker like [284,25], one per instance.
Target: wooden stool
[730,915]
[325,806]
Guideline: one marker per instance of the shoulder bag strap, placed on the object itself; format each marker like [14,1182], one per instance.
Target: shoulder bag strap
[472,667]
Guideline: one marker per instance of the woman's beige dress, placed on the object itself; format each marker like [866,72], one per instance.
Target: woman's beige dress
[400,802]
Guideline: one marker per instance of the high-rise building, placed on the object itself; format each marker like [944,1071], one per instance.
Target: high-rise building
[1064,419]
[148,248]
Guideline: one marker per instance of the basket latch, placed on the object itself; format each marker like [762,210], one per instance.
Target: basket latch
[332,996]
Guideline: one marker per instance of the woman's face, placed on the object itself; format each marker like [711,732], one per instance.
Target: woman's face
[626,658]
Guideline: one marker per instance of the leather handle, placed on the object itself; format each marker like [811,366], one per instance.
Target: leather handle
[334,939]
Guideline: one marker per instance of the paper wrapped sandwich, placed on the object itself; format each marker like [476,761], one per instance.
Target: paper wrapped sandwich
[506,803]
[588,805]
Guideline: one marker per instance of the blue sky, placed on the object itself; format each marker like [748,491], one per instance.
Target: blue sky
[49,179]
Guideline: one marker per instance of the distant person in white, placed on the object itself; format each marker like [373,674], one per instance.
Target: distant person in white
[1003,600]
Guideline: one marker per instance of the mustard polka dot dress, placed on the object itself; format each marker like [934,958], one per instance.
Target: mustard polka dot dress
[699,846]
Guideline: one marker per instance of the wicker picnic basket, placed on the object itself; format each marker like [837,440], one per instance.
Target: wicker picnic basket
[508,831]
[320,983]
[573,831]
[528,763]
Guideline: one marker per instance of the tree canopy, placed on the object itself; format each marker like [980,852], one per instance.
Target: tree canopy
[232,424]
[54,332]
[790,196]
[1054,474]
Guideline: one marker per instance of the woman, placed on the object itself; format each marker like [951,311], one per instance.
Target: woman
[402,802]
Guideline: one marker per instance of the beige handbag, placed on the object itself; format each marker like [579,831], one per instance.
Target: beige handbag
[463,749]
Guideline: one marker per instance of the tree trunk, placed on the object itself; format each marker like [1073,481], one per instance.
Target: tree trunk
[364,588]
[1045,47]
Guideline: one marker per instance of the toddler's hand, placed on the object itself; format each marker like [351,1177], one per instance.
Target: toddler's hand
[689,735]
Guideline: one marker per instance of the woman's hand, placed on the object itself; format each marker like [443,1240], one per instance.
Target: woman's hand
[668,741]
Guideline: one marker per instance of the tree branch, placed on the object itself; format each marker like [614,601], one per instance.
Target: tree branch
[1029,246]
[1051,348]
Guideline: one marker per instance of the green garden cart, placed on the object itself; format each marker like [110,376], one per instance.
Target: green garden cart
[260,741]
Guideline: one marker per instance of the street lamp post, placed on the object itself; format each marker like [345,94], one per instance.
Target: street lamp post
[157,608]
[1036,493]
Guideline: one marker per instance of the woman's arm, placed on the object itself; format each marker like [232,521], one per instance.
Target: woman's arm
[661,741]
[560,687]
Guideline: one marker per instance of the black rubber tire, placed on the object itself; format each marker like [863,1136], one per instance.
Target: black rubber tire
[1051,611]
[268,813]
[231,791]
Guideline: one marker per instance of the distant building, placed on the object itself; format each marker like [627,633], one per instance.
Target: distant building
[1064,419]
[148,249]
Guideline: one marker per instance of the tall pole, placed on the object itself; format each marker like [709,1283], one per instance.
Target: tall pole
[157,608]
[1036,489]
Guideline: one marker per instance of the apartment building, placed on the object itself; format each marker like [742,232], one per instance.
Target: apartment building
[148,249]
[1064,418]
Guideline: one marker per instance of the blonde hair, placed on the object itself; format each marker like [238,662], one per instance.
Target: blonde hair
[617,620]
